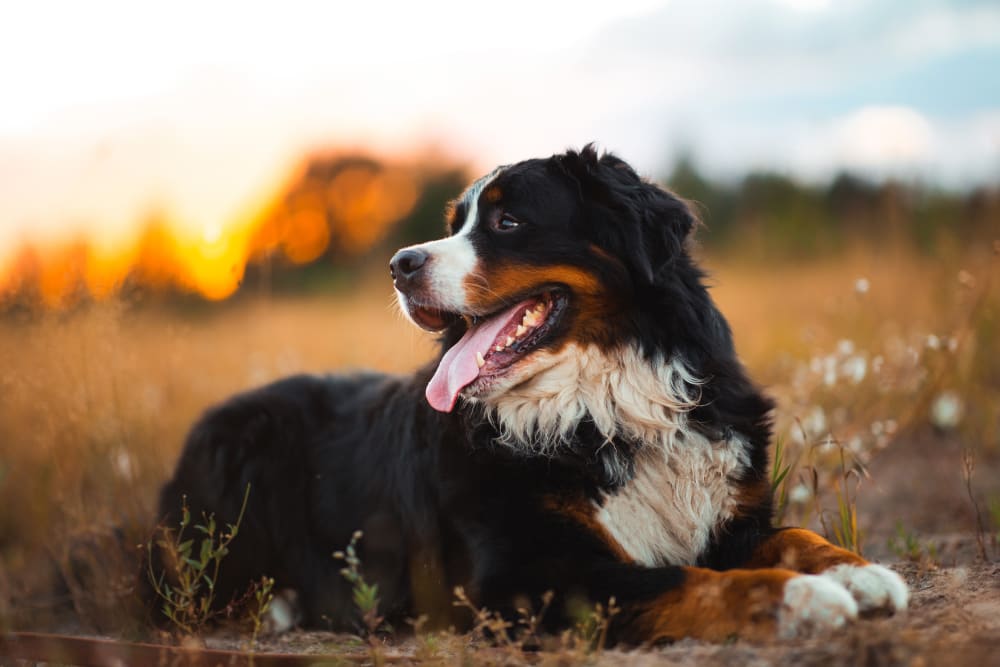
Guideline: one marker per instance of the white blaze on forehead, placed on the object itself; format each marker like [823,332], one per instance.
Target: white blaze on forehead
[453,259]
[471,199]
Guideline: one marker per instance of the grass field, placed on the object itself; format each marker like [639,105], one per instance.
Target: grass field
[874,357]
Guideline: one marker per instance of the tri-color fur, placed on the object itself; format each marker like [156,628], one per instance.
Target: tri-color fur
[609,445]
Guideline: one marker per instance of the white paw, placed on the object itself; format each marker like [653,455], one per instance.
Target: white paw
[284,612]
[875,587]
[814,605]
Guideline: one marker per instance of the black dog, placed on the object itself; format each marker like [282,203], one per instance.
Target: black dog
[587,430]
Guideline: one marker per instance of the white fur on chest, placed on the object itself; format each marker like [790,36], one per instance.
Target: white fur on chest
[681,488]
[679,494]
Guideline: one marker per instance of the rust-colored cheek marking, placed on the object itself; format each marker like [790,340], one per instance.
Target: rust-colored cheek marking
[493,194]
[594,306]
[803,551]
[715,606]
[492,284]
[583,513]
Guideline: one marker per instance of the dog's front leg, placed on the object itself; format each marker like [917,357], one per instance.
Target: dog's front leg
[876,588]
[750,604]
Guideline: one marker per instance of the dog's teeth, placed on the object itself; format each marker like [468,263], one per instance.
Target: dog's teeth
[532,319]
[521,330]
[480,361]
[499,348]
[510,341]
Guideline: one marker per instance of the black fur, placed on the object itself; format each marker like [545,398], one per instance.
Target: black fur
[441,504]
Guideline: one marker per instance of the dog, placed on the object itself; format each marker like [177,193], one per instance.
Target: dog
[587,430]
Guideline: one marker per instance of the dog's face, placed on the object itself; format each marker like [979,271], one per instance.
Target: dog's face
[544,258]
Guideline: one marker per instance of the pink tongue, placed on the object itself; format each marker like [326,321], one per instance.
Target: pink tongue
[458,367]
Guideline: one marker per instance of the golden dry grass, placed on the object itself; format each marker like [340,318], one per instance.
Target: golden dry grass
[95,404]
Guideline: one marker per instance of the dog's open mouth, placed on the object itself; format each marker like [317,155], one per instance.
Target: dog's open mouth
[491,345]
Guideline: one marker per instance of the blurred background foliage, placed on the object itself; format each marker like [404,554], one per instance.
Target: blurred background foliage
[340,213]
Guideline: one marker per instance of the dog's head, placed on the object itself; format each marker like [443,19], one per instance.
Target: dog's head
[547,261]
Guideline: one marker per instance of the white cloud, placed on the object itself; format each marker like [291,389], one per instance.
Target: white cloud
[115,107]
[806,5]
[875,141]
[940,30]
[883,137]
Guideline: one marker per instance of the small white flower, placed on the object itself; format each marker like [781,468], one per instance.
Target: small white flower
[799,494]
[845,347]
[123,465]
[933,342]
[952,344]
[854,369]
[815,422]
[861,286]
[947,410]
[830,371]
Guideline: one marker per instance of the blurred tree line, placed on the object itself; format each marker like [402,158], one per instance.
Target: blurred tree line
[382,208]
[342,214]
[771,216]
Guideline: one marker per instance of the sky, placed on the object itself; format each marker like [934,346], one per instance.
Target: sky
[114,110]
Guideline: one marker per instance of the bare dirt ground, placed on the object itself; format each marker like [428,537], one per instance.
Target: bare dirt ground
[954,619]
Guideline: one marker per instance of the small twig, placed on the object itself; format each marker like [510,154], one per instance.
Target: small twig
[968,467]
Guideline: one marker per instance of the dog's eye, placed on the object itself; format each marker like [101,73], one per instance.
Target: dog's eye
[506,224]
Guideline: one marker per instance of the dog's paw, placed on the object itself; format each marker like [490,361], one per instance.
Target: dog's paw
[284,613]
[876,588]
[814,605]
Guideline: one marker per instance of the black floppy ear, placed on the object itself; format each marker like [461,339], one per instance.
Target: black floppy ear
[655,230]
[643,224]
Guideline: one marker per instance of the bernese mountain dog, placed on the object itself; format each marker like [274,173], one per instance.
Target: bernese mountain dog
[587,430]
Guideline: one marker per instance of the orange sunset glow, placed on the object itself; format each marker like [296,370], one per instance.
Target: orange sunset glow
[148,146]
[344,204]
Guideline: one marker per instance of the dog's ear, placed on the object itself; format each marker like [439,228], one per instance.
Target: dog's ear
[643,224]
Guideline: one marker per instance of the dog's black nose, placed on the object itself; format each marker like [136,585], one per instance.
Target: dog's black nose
[406,264]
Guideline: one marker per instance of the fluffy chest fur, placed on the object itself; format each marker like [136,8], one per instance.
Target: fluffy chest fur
[676,487]
[681,491]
